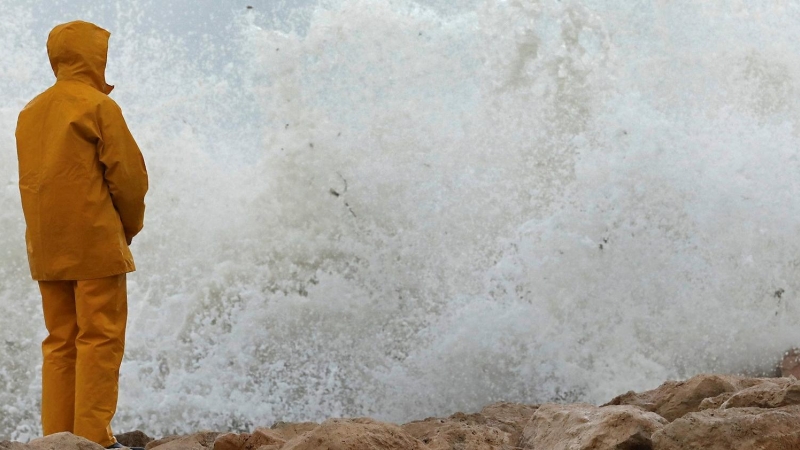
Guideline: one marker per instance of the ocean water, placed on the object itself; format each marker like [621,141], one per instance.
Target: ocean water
[403,209]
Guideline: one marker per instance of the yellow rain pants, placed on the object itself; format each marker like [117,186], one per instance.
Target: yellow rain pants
[82,355]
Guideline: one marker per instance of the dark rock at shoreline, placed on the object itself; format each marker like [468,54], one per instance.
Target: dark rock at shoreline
[134,439]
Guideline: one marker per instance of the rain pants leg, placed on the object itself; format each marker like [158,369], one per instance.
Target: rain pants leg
[86,322]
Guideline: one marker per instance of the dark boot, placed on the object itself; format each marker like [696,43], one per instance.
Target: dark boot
[118,445]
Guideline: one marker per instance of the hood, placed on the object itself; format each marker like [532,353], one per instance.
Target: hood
[78,51]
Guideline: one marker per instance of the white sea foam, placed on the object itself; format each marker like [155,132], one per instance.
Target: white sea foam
[399,210]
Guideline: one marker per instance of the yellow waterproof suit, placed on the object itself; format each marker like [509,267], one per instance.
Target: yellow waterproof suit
[82,181]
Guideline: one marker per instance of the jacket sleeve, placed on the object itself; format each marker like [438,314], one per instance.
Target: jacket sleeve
[125,172]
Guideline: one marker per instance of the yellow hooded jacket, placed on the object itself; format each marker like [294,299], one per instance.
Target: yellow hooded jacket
[82,177]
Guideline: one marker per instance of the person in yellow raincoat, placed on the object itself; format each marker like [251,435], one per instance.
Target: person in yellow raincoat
[82,180]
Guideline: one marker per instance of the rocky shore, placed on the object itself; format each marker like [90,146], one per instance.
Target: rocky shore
[711,412]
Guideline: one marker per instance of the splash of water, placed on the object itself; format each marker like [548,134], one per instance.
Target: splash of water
[399,210]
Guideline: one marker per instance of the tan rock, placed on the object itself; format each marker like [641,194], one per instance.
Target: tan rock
[769,394]
[289,430]
[231,441]
[134,439]
[588,427]
[203,440]
[63,441]
[455,435]
[8,445]
[354,434]
[261,437]
[514,416]
[160,442]
[674,399]
[498,423]
[733,429]
[715,402]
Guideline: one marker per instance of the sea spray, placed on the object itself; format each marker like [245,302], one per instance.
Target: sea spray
[402,209]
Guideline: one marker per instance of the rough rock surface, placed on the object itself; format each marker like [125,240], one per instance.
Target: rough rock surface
[510,417]
[198,441]
[63,441]
[289,430]
[715,402]
[260,438]
[733,429]
[498,425]
[231,441]
[769,394]
[355,434]
[471,433]
[134,439]
[588,427]
[7,445]
[674,399]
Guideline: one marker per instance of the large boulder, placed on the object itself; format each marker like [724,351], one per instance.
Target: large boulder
[732,429]
[354,434]
[203,440]
[588,427]
[63,441]
[674,399]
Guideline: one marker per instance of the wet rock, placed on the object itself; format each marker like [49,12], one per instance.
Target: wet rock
[468,432]
[588,427]
[674,399]
[769,394]
[63,441]
[203,440]
[134,439]
[733,429]
[354,434]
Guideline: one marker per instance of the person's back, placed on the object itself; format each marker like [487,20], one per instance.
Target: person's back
[82,182]
[72,141]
